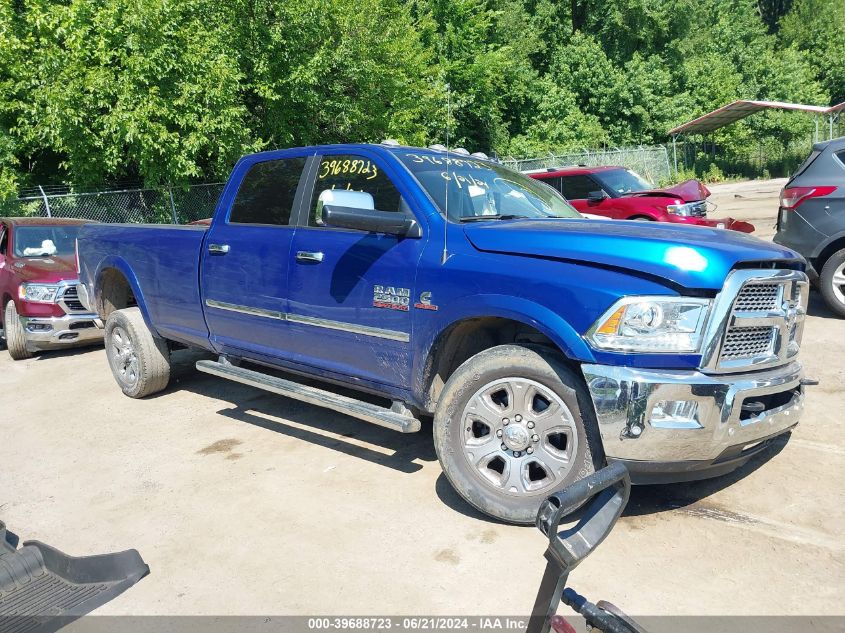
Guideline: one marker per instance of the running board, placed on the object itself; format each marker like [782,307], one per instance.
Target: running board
[366,411]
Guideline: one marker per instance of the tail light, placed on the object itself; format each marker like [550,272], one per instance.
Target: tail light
[792,197]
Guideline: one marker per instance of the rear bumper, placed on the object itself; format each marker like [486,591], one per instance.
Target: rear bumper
[803,239]
[43,333]
[717,438]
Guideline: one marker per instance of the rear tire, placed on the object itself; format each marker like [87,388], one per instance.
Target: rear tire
[139,361]
[15,334]
[550,439]
[832,282]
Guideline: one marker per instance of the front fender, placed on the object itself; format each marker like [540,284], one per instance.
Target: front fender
[118,263]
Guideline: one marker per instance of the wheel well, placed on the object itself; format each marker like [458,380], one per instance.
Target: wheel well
[641,216]
[467,338]
[6,299]
[830,249]
[113,293]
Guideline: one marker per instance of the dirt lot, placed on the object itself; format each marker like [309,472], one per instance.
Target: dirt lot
[247,503]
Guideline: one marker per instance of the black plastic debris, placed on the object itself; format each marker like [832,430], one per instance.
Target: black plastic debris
[42,589]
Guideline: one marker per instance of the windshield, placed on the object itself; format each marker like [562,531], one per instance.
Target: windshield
[45,241]
[471,188]
[623,181]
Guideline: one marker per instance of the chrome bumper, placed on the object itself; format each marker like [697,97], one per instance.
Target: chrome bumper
[52,332]
[632,430]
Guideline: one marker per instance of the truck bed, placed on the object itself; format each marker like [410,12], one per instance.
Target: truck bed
[161,263]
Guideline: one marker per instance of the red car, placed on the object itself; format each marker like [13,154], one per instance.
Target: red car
[38,287]
[622,194]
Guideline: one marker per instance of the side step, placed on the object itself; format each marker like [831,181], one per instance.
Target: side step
[350,406]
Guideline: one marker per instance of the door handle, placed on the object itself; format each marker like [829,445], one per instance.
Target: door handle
[218,249]
[309,256]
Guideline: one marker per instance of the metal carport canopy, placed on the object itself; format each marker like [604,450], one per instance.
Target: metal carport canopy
[739,110]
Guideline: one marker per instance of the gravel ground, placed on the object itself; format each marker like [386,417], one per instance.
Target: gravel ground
[246,503]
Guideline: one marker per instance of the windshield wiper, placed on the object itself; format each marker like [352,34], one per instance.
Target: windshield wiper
[509,216]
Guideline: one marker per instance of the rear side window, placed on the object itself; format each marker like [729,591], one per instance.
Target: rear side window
[841,157]
[555,183]
[2,239]
[267,192]
[578,187]
[803,167]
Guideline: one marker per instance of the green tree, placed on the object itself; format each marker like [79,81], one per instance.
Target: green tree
[816,27]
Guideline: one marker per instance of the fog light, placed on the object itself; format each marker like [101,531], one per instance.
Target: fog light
[39,327]
[675,414]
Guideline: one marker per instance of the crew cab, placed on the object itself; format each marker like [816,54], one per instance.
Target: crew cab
[38,287]
[622,194]
[442,284]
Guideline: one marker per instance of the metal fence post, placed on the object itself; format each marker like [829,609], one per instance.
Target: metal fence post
[172,205]
[46,201]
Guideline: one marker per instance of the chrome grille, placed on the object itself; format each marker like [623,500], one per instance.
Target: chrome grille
[758,298]
[764,320]
[70,300]
[747,342]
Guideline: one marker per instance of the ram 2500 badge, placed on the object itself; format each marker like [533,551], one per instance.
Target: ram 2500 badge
[443,284]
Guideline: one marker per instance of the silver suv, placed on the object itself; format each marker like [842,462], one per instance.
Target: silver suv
[811,219]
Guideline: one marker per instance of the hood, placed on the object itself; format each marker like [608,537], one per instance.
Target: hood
[693,257]
[43,269]
[688,191]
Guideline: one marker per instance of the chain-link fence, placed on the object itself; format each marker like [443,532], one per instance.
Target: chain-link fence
[650,162]
[180,205]
[172,205]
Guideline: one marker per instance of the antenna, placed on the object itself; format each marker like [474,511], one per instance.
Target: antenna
[445,255]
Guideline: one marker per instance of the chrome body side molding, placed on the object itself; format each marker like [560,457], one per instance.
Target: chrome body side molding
[392,335]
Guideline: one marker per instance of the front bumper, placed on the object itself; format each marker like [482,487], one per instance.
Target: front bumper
[724,223]
[736,416]
[44,333]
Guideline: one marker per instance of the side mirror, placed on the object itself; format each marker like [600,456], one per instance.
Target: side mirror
[594,197]
[342,198]
[389,222]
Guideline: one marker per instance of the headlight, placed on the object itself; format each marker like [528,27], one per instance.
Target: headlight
[38,293]
[684,209]
[651,324]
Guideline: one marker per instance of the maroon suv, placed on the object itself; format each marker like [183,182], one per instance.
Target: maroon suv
[622,194]
[38,286]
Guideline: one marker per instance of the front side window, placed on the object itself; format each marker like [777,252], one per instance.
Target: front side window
[578,187]
[622,181]
[352,181]
[464,188]
[46,241]
[267,192]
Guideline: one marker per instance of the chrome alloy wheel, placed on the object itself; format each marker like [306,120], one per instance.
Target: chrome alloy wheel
[838,282]
[123,356]
[519,436]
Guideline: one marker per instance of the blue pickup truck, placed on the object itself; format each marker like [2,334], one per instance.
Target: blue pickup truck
[442,284]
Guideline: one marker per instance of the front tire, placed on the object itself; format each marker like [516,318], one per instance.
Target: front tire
[139,361]
[15,334]
[512,426]
[832,282]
